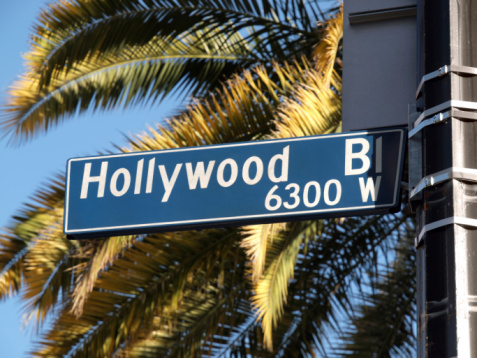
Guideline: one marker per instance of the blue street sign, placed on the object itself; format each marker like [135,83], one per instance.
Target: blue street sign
[357,173]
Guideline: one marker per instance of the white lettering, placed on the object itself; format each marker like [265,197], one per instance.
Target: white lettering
[199,174]
[294,195]
[233,173]
[150,175]
[271,166]
[369,188]
[306,197]
[114,181]
[169,183]
[326,193]
[246,170]
[361,155]
[87,178]
[137,186]
[273,197]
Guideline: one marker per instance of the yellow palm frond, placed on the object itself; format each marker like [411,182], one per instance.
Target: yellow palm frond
[242,109]
[325,54]
[12,250]
[100,55]
[270,292]
[46,271]
[314,109]
[96,257]
[315,106]
[176,277]
[255,243]
[31,250]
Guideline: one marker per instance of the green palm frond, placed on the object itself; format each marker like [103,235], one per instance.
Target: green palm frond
[33,222]
[201,328]
[108,82]
[326,54]
[242,109]
[321,292]
[163,274]
[271,289]
[106,53]
[255,243]
[72,27]
[383,326]
[46,273]
[12,250]
[95,257]
[314,109]
[315,106]
[35,252]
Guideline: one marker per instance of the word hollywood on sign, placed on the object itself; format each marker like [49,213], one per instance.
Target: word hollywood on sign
[344,174]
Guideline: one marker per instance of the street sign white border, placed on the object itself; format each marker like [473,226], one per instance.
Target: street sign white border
[232,218]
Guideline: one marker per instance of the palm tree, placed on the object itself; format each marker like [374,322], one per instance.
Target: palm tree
[255,70]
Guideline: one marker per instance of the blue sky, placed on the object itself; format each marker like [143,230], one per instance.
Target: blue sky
[24,169]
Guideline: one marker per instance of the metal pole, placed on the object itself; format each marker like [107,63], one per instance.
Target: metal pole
[446,197]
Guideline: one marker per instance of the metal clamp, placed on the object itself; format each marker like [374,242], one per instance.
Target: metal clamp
[440,116]
[444,175]
[458,220]
[444,70]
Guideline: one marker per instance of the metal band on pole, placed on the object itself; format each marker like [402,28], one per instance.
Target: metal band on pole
[444,182]
[444,70]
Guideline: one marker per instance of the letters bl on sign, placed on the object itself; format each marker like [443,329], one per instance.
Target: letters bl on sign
[344,174]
